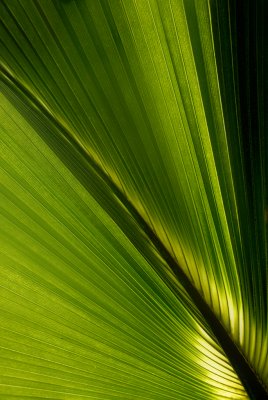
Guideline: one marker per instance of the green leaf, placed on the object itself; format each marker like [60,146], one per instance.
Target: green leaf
[133,194]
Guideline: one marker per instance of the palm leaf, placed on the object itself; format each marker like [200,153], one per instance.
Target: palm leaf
[133,197]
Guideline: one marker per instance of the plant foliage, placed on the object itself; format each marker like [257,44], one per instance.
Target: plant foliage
[133,199]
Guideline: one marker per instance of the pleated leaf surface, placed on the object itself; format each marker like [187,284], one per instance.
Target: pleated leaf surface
[119,118]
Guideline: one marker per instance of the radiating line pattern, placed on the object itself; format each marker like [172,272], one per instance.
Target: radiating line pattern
[149,92]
